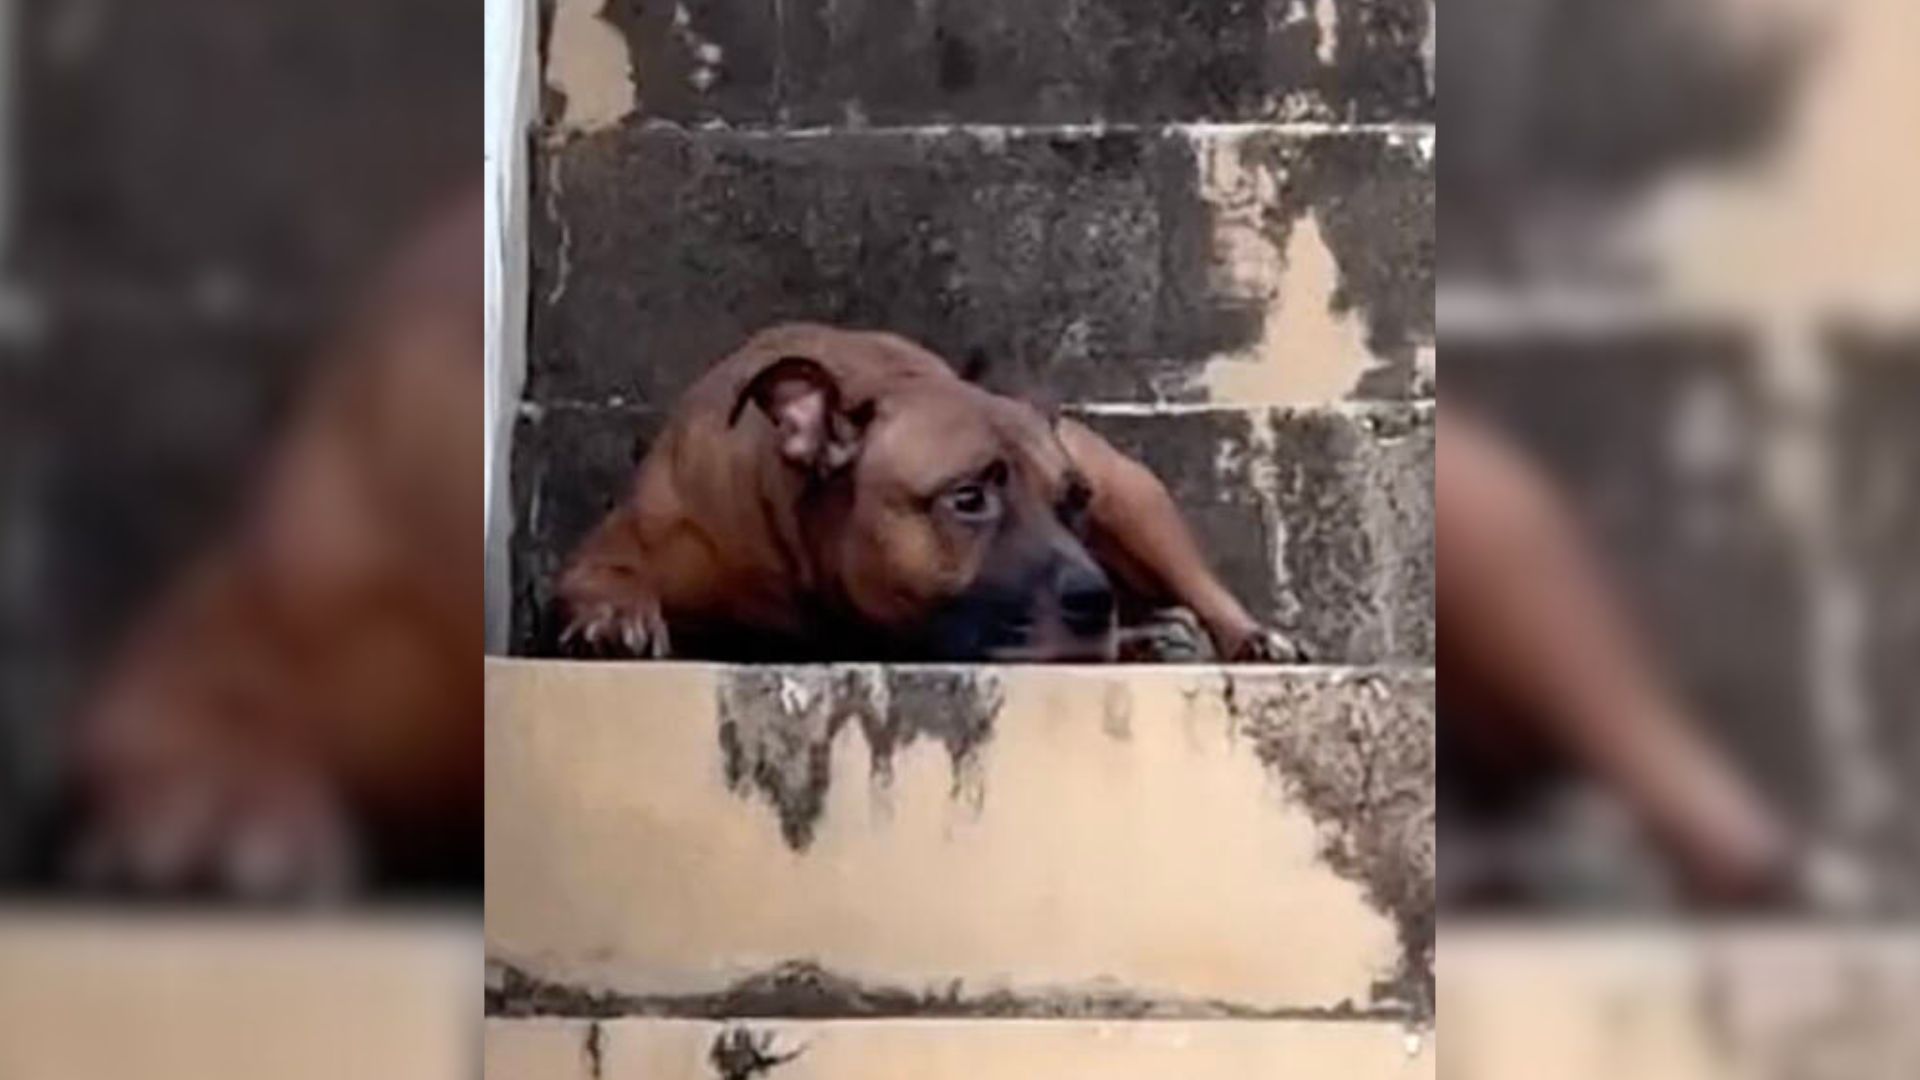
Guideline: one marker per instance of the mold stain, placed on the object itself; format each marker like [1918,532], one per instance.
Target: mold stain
[1366,778]
[778,726]
[804,990]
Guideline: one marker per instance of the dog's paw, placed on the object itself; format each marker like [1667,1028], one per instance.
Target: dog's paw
[1164,636]
[630,629]
[239,830]
[1265,645]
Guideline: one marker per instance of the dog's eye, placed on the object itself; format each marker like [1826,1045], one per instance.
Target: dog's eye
[972,502]
[1075,499]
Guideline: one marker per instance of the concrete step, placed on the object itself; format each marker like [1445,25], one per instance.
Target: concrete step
[1319,519]
[1000,61]
[1173,842]
[637,1049]
[1240,263]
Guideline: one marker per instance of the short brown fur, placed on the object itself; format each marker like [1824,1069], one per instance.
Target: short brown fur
[775,521]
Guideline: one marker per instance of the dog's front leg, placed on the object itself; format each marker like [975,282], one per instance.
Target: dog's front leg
[1137,533]
[611,604]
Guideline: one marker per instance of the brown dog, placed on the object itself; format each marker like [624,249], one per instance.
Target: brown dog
[826,493]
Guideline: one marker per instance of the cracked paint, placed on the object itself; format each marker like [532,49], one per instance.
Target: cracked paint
[589,67]
[1308,349]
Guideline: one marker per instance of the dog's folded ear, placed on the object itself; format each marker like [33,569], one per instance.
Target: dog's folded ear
[802,400]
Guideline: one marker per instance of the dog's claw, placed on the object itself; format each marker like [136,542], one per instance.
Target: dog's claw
[648,639]
[610,631]
[1269,646]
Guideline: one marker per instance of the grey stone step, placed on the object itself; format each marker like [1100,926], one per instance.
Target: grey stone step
[806,62]
[1319,519]
[1251,263]
[1679,451]
[642,1049]
[1113,841]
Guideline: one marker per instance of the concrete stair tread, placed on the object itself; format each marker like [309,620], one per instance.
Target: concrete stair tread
[1191,841]
[633,1049]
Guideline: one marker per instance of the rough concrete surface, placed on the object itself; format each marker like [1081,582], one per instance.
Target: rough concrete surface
[1125,840]
[556,1049]
[857,62]
[1096,265]
[1319,520]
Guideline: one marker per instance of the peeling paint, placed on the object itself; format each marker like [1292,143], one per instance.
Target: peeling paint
[589,67]
[1181,262]
[1308,349]
[1326,15]
[563,239]
[778,726]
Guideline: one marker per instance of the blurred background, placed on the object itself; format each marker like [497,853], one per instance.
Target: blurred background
[1681,287]
[239,367]
[1679,544]
[203,200]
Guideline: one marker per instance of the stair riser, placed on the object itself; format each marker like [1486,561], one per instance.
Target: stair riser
[964,841]
[1234,265]
[1320,521]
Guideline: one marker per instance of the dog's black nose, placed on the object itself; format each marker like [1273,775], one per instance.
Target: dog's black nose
[1086,599]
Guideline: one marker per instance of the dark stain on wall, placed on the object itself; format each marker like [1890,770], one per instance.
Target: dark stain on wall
[1084,263]
[778,725]
[809,62]
[1358,753]
[803,990]
[739,1053]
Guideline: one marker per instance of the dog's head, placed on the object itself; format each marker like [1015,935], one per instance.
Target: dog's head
[946,520]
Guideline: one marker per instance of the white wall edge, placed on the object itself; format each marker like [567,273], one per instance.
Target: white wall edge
[511,95]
